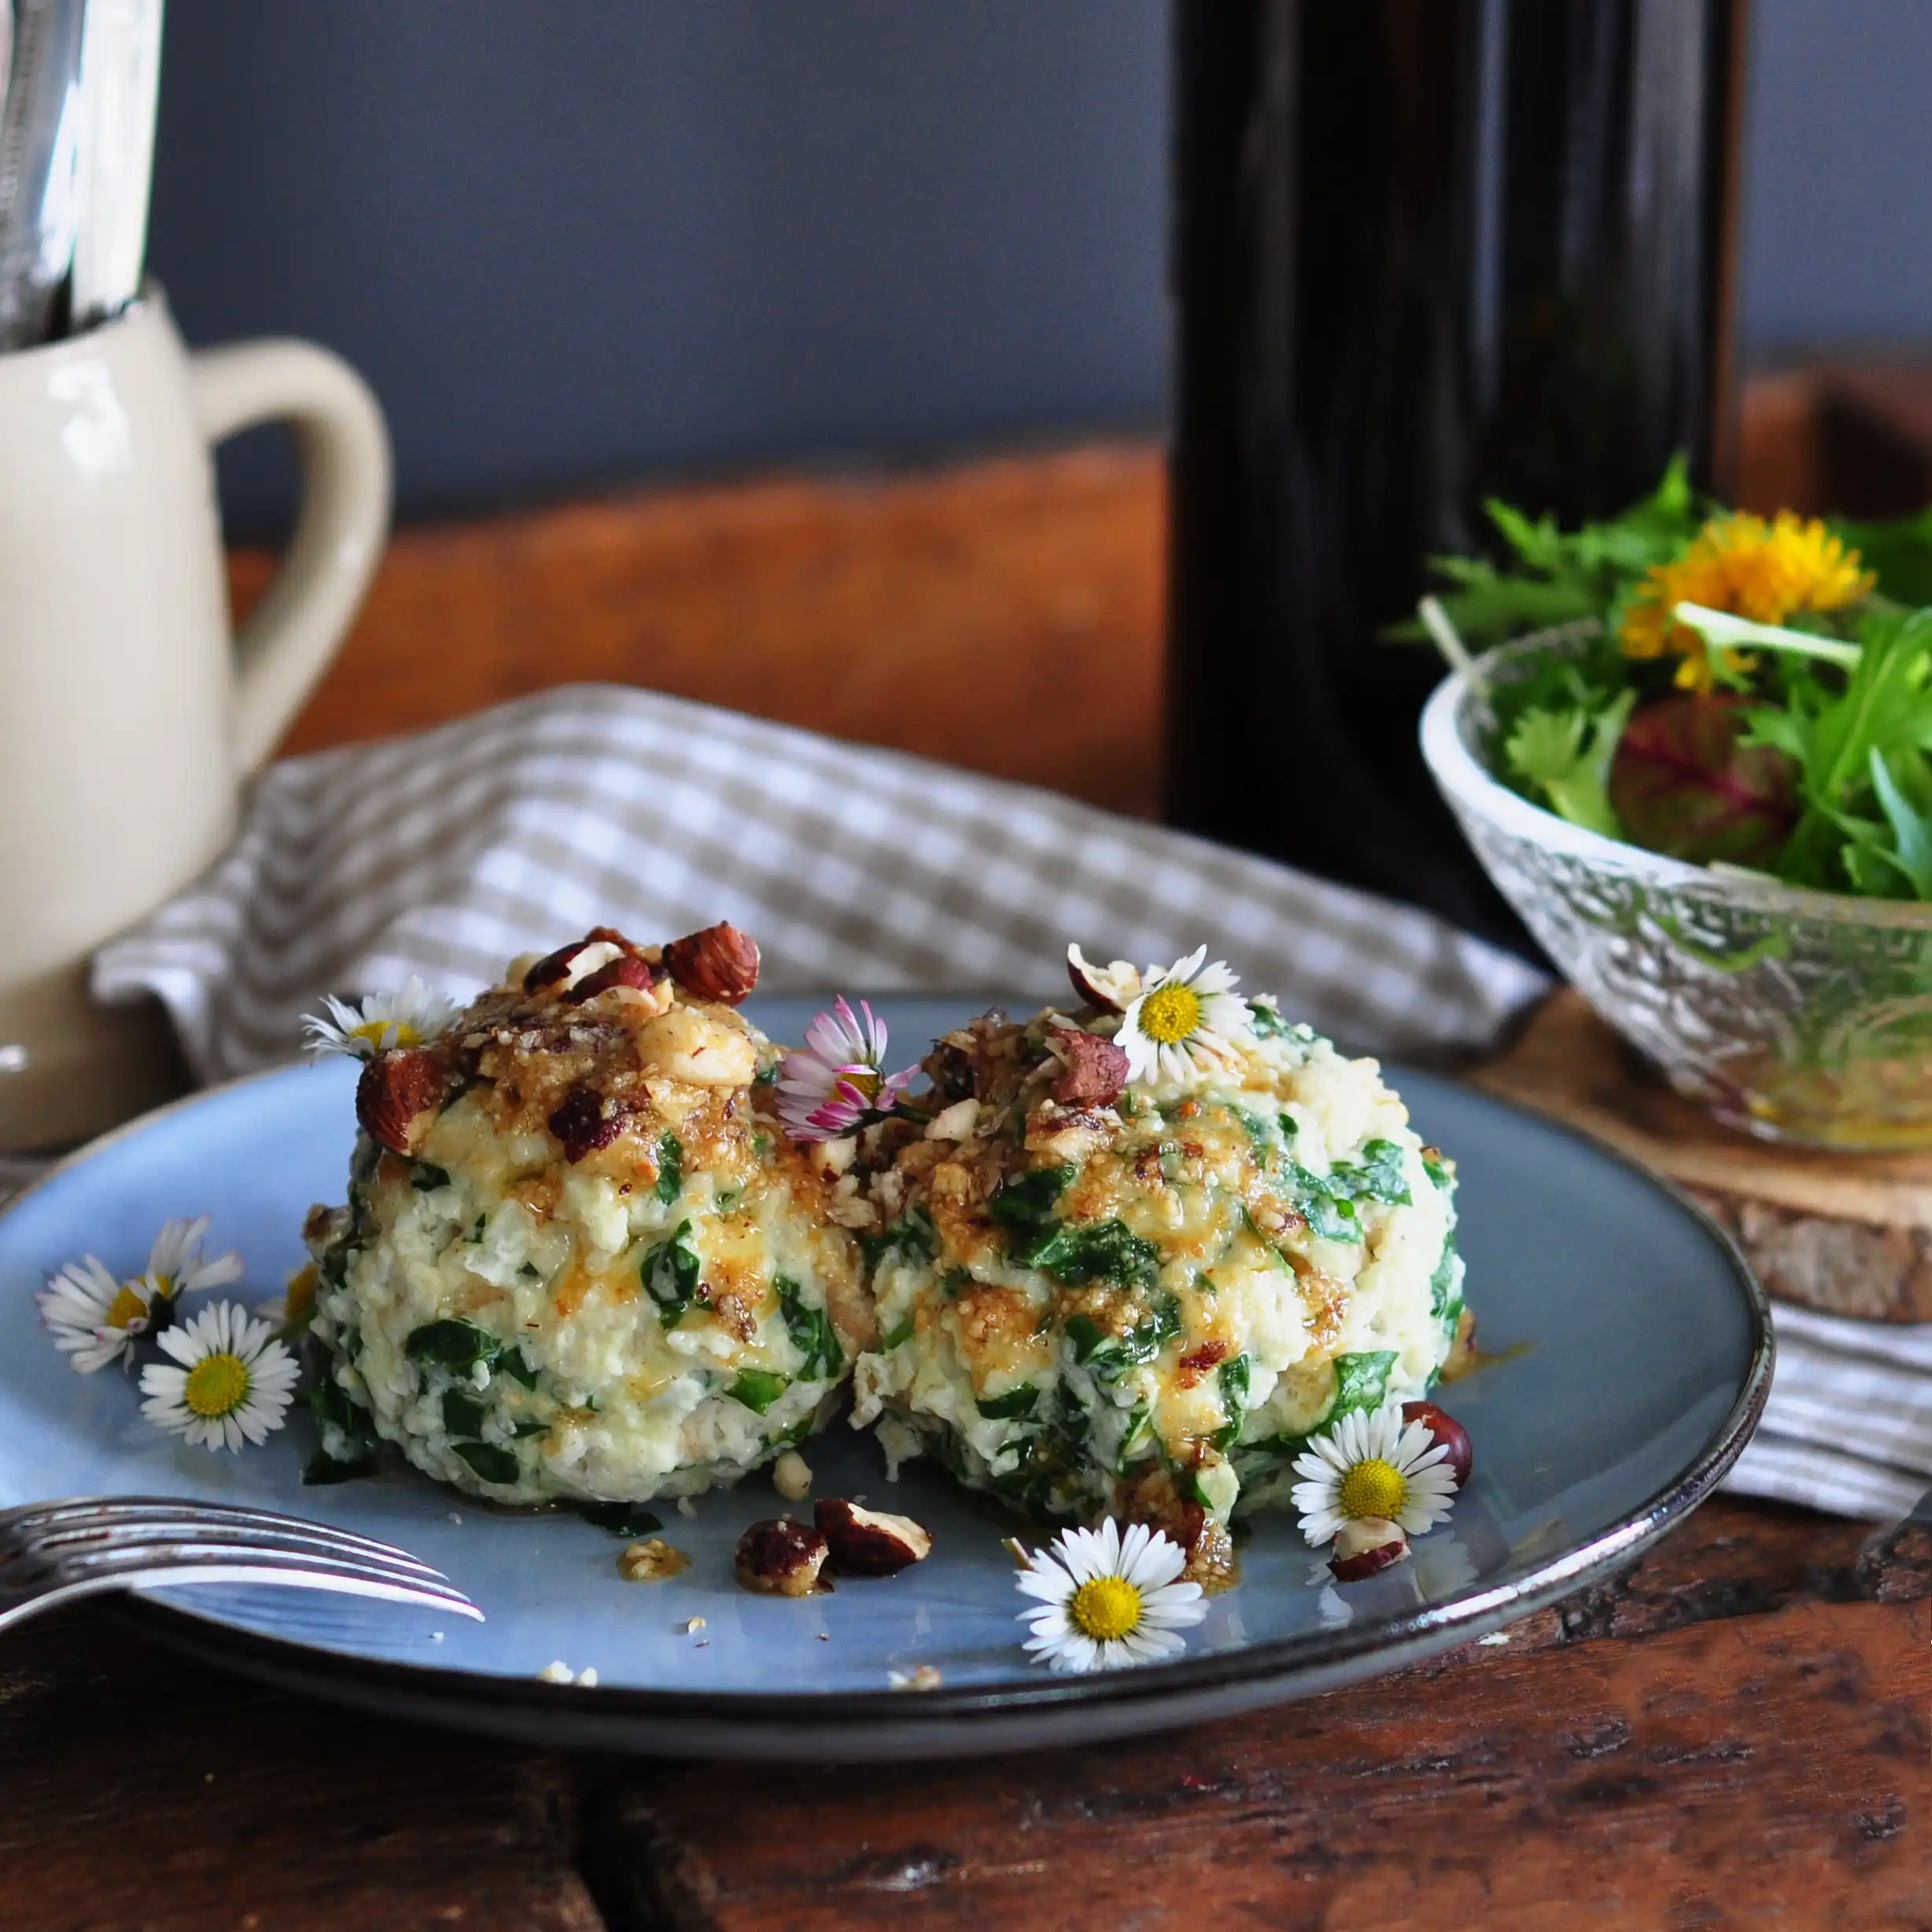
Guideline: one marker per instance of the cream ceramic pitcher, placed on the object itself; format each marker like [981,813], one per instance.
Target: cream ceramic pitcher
[129,713]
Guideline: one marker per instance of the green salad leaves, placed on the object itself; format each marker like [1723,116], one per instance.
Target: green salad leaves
[1722,688]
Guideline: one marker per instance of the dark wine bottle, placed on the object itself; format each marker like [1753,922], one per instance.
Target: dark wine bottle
[1425,252]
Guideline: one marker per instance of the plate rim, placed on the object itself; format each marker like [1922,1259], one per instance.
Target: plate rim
[877,1725]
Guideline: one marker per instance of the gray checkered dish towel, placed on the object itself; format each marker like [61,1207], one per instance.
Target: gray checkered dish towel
[448,854]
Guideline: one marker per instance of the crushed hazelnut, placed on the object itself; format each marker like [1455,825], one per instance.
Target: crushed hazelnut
[651,1562]
[791,1477]
[956,1123]
[834,1157]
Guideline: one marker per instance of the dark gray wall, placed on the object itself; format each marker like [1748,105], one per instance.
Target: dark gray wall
[574,241]
[1837,210]
[593,239]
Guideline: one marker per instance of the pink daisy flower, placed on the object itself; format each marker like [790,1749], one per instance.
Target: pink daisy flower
[838,1084]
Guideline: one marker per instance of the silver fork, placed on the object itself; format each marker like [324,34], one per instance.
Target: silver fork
[51,1553]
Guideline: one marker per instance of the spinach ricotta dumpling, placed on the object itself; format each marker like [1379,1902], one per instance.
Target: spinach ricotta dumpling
[580,1259]
[1142,1249]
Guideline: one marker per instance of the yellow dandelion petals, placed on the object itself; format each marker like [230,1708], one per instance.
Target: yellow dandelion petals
[1738,562]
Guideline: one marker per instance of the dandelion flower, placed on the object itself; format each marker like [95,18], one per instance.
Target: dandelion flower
[838,1083]
[1766,572]
[1371,1466]
[1107,1598]
[1186,1020]
[406,1018]
[230,1381]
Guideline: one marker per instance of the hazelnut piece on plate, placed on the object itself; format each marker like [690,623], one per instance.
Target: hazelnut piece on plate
[1364,1545]
[868,1542]
[1447,1433]
[778,1557]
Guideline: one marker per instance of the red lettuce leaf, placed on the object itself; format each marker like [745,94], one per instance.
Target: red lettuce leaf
[1682,785]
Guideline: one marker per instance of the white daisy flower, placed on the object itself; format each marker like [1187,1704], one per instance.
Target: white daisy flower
[176,1266]
[1371,1464]
[1107,1598]
[839,1084]
[94,1318]
[233,1384]
[1186,1020]
[406,1018]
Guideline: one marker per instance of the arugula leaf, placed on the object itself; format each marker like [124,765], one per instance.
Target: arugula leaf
[1078,1252]
[452,1343]
[1110,1356]
[627,1519]
[900,1335]
[670,1272]
[1233,1377]
[1832,727]
[1014,1405]
[512,1363]
[1327,1201]
[321,1469]
[758,1388]
[1266,1017]
[1360,1382]
[670,1168]
[492,1464]
[1564,757]
[1023,1206]
[812,1332]
[1911,852]
[1332,1217]
[1551,575]
[1139,1429]
[462,1414]
[425,1177]
[912,1236]
[1445,1285]
[1379,1175]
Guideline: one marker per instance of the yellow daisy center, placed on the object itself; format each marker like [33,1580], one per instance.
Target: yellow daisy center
[1105,1609]
[865,1080]
[373,1030]
[125,1308]
[1373,1488]
[1169,1014]
[216,1385]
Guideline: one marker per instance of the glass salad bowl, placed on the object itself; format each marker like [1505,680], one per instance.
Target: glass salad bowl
[1796,1015]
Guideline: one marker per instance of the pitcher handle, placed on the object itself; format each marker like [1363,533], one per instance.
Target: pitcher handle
[343,451]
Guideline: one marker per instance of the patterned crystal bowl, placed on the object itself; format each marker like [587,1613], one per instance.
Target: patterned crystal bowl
[1798,1016]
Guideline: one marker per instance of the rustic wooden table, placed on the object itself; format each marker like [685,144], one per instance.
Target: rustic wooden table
[1735,1733]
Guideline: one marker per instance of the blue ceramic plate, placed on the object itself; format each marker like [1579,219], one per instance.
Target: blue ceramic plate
[1636,1352]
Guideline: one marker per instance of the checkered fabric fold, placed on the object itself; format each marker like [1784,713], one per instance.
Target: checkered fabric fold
[448,854]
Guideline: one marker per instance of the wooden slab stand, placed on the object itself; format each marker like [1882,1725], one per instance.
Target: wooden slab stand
[1848,1234]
